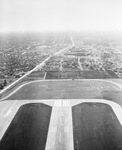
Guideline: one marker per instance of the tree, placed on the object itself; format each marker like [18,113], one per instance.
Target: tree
[12,63]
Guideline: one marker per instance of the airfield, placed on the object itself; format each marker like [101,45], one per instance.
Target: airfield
[67,89]
[64,109]
[62,114]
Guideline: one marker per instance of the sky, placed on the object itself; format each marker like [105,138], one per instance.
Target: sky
[60,15]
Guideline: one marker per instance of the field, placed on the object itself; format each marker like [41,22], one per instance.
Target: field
[37,74]
[76,74]
[112,74]
[96,127]
[95,75]
[64,75]
[28,130]
[83,57]
[72,89]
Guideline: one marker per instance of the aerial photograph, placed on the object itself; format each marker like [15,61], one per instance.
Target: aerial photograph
[60,75]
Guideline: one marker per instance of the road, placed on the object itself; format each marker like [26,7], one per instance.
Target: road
[81,68]
[76,115]
[40,65]
[73,44]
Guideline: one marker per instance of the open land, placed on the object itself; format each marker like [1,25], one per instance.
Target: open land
[28,130]
[73,60]
[95,126]
[72,89]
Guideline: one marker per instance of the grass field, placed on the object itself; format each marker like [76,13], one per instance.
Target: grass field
[112,74]
[77,89]
[87,74]
[37,74]
[96,127]
[95,74]
[64,75]
[28,130]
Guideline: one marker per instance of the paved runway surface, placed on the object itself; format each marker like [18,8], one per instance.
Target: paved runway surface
[30,121]
[45,116]
[60,135]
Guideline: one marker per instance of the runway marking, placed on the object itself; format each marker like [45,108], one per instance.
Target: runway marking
[10,109]
[66,103]
[60,133]
[116,84]
[57,103]
[115,107]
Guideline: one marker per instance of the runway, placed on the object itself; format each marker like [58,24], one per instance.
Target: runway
[61,133]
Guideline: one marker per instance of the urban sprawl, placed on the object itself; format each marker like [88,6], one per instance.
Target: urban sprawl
[90,57]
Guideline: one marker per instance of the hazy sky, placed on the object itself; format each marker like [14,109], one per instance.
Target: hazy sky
[41,15]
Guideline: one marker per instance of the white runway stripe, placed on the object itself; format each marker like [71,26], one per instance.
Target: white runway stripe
[60,133]
[57,103]
[66,103]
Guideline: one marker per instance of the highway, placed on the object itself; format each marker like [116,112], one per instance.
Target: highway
[61,114]
[73,44]
[40,65]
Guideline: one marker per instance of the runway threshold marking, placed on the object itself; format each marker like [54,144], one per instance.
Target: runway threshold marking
[60,133]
